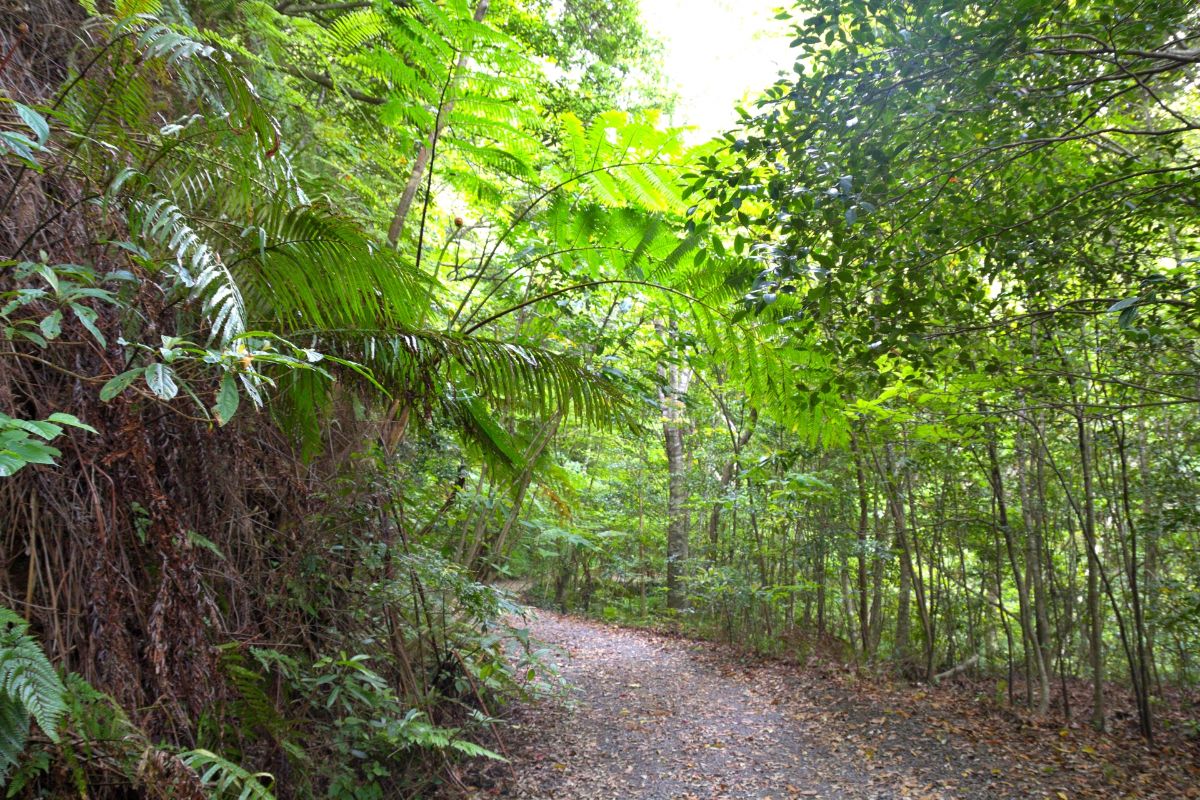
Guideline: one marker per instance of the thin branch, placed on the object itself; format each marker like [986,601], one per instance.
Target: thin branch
[317,8]
[324,80]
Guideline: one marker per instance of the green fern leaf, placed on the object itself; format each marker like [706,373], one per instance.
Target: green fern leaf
[223,778]
[14,731]
[29,686]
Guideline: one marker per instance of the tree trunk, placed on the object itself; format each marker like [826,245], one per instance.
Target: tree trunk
[729,470]
[424,155]
[1095,621]
[1139,668]
[1033,569]
[864,614]
[1028,634]
[675,385]
[910,579]
[1153,533]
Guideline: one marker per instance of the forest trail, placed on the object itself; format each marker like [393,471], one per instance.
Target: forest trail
[650,716]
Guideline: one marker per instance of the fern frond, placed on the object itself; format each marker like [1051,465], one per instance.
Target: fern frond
[306,269]
[14,732]
[223,778]
[253,708]
[352,31]
[29,686]
[195,263]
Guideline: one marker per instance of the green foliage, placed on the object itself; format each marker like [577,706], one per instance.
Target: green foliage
[960,246]
[372,730]
[68,288]
[29,687]
[19,447]
[222,778]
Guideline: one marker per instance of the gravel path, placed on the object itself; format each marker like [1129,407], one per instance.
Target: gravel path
[654,717]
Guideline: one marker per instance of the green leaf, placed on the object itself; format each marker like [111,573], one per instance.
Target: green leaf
[46,430]
[472,749]
[161,380]
[51,325]
[71,420]
[119,383]
[227,400]
[196,540]
[119,181]
[87,317]
[36,122]
[21,146]
[27,451]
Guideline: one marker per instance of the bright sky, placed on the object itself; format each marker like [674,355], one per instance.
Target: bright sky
[717,51]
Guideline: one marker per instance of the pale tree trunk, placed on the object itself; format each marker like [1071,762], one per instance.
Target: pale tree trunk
[864,613]
[1087,519]
[675,381]
[925,605]
[1029,644]
[1153,533]
[677,525]
[903,605]
[1036,591]
[876,631]
[729,470]
[1095,621]
[425,154]
[910,577]
[1139,667]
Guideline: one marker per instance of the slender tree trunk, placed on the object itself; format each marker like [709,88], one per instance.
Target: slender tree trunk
[864,614]
[903,606]
[848,617]
[421,163]
[910,578]
[1033,569]
[675,385]
[998,589]
[972,635]
[819,576]
[925,607]
[677,525]
[536,448]
[1140,670]
[1095,621]
[1153,504]
[729,470]
[876,588]
[1028,634]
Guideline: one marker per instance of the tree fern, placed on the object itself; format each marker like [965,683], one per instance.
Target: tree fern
[624,160]
[29,687]
[220,214]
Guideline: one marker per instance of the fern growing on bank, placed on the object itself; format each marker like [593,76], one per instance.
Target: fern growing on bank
[222,778]
[29,687]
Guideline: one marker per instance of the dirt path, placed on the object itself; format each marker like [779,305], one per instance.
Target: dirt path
[652,720]
[655,717]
